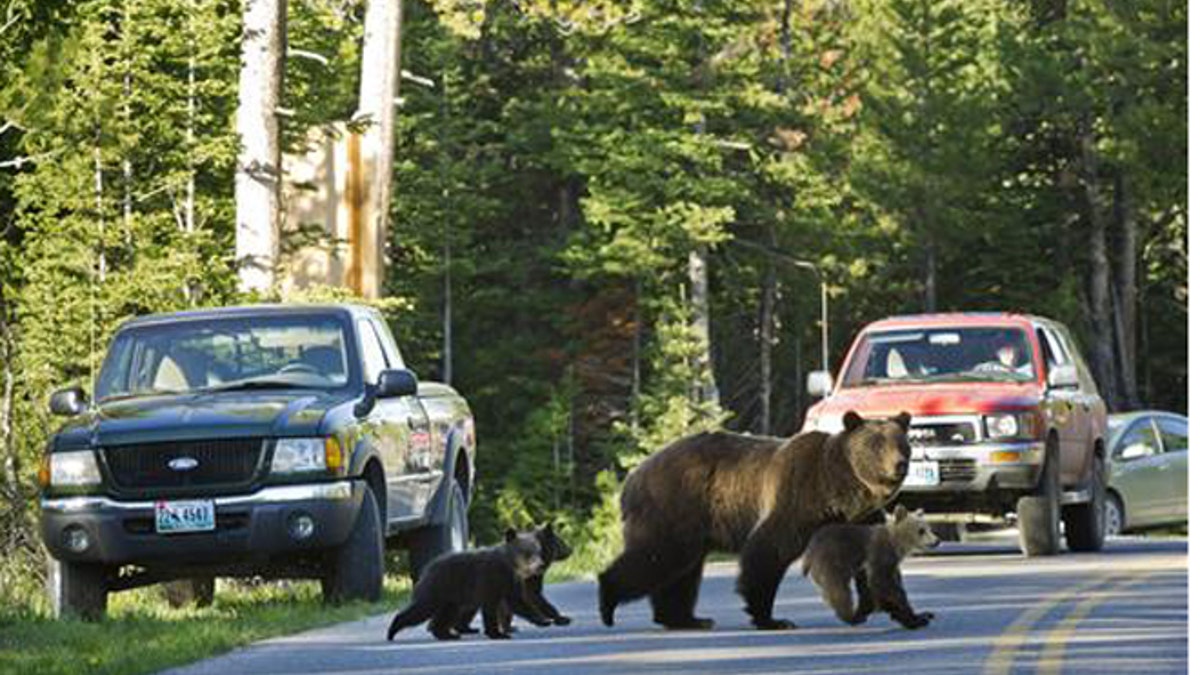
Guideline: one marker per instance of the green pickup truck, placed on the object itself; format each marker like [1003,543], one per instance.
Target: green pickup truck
[277,441]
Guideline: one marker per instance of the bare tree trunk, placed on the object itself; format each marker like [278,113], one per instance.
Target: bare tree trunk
[380,77]
[766,342]
[1099,298]
[189,201]
[1126,296]
[930,273]
[257,184]
[706,386]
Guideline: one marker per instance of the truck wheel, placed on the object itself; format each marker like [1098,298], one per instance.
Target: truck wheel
[430,542]
[1038,515]
[354,570]
[190,591]
[1085,523]
[79,590]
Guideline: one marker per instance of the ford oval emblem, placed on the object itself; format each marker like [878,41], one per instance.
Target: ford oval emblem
[183,463]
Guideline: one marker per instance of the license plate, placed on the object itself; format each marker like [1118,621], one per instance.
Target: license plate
[190,516]
[922,474]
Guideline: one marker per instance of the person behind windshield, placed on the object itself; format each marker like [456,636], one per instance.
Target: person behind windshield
[1009,358]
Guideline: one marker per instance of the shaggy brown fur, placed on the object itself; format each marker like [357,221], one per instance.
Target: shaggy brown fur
[457,585]
[871,556]
[762,497]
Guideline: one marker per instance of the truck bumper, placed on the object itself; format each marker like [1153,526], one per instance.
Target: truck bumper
[975,475]
[248,527]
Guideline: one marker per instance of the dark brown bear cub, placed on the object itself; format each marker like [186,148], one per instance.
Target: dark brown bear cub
[553,549]
[761,497]
[871,556]
[457,585]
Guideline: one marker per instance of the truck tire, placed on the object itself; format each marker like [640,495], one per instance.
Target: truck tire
[1038,515]
[354,570]
[190,591]
[430,542]
[79,590]
[1085,524]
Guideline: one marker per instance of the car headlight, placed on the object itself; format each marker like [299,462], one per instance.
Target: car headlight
[77,468]
[298,455]
[1010,425]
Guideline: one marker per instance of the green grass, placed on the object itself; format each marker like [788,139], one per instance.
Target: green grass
[142,634]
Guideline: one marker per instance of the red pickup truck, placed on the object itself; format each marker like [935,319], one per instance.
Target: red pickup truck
[1006,419]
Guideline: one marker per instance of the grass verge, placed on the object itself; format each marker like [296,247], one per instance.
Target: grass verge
[142,634]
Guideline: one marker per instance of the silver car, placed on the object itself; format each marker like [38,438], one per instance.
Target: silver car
[1148,482]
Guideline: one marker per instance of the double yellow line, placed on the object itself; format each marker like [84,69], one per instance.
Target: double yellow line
[1093,592]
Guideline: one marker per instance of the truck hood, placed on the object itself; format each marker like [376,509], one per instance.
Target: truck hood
[202,415]
[922,400]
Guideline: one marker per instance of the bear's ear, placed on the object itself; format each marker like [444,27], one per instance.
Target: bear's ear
[900,513]
[510,535]
[903,419]
[851,421]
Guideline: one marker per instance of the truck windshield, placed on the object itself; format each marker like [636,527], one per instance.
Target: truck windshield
[941,355]
[233,353]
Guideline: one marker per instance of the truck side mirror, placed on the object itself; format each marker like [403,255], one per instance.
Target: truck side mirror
[820,383]
[68,402]
[396,382]
[1063,377]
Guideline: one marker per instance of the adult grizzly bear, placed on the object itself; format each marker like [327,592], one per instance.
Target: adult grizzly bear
[762,497]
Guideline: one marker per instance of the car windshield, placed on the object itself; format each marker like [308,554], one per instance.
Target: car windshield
[222,354]
[941,355]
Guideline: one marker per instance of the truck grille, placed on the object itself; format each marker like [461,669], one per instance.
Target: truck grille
[216,463]
[956,470]
[942,434]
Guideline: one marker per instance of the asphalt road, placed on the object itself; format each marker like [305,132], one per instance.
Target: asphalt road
[1123,610]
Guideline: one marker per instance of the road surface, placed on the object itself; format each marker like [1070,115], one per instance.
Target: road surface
[1121,611]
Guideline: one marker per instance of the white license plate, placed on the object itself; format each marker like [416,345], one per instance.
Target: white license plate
[189,516]
[922,474]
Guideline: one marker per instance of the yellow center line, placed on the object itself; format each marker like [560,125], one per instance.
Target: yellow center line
[1009,643]
[1054,649]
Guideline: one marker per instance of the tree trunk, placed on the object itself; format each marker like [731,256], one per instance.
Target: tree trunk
[1100,278]
[1126,296]
[380,77]
[706,386]
[256,188]
[930,265]
[766,341]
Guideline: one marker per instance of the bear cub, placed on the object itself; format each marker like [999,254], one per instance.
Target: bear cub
[456,585]
[553,549]
[871,556]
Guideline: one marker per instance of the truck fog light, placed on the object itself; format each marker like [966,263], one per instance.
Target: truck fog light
[301,526]
[1003,456]
[75,539]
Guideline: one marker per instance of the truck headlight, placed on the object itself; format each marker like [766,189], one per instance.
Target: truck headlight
[298,455]
[1010,425]
[77,468]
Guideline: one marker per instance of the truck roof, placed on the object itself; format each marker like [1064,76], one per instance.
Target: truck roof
[954,319]
[249,310]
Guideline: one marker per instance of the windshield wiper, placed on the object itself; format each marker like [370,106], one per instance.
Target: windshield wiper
[142,394]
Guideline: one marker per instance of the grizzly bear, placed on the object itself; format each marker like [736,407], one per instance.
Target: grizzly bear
[760,497]
[871,556]
[553,549]
[456,585]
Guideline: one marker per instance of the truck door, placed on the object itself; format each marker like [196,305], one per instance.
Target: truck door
[1065,412]
[388,431]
